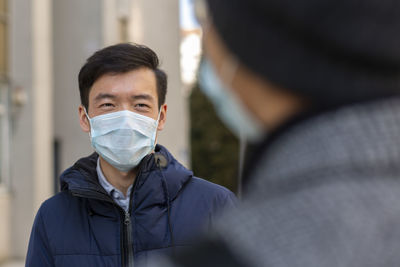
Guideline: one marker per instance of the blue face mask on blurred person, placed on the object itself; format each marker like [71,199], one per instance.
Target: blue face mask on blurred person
[228,106]
[123,138]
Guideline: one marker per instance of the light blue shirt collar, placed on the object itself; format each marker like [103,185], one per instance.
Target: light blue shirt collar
[117,196]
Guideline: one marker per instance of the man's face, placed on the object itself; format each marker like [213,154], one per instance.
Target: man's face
[135,91]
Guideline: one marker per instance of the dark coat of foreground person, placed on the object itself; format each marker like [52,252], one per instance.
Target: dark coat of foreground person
[326,194]
[319,81]
[83,226]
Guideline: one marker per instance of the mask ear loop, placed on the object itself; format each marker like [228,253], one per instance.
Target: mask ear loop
[155,132]
[228,69]
[159,114]
[87,116]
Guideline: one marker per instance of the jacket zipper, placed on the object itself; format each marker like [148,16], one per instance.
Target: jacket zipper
[126,226]
[127,258]
[128,249]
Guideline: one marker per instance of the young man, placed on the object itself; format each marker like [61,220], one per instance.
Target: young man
[319,82]
[130,199]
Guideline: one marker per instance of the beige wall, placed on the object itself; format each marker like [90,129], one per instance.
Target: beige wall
[42,69]
[22,130]
[31,132]
[4,224]
[110,22]
[77,33]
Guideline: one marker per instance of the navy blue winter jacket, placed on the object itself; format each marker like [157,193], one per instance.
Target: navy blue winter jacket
[83,226]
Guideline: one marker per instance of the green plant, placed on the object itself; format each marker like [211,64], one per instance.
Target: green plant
[214,149]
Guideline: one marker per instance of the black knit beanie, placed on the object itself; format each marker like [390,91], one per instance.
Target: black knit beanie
[329,51]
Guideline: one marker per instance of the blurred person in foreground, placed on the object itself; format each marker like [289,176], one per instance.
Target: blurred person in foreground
[130,199]
[316,84]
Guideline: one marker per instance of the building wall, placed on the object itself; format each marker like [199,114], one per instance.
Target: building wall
[5,225]
[31,131]
[77,34]
[42,98]
[21,74]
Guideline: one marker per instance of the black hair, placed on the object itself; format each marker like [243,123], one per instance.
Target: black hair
[120,58]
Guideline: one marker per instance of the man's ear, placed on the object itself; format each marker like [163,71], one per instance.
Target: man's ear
[163,117]
[83,120]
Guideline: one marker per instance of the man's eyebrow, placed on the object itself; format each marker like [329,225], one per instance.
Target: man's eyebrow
[142,96]
[103,96]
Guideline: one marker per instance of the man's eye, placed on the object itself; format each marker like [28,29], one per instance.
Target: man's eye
[140,105]
[106,105]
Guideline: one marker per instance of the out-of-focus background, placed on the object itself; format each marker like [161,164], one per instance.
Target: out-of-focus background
[43,44]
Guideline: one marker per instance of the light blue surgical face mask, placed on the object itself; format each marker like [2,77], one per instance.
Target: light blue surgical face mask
[228,106]
[123,138]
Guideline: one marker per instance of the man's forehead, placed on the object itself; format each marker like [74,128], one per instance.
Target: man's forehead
[138,84]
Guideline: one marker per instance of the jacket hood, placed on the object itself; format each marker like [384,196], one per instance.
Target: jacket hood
[160,178]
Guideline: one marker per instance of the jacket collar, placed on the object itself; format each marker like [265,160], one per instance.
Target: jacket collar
[81,179]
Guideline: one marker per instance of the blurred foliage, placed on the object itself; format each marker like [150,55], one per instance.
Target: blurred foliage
[214,148]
